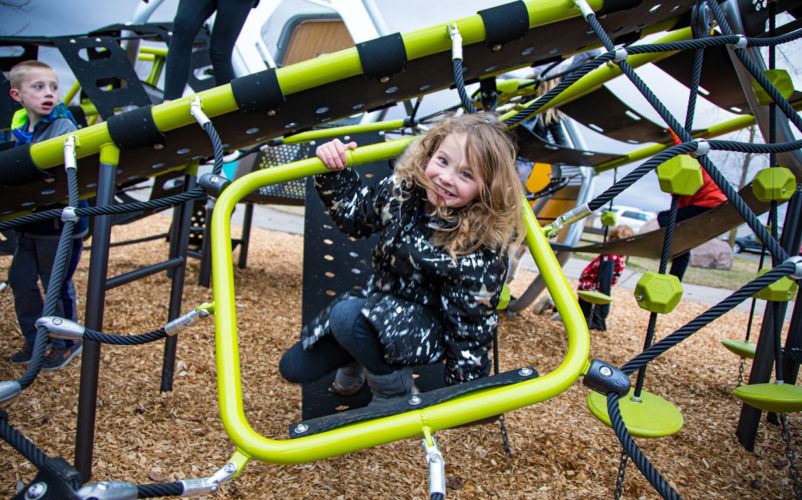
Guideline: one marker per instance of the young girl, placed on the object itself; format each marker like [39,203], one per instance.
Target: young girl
[444,221]
[594,278]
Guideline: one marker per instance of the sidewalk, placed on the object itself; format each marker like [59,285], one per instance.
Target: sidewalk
[290,220]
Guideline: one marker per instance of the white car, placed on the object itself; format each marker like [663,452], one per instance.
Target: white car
[630,216]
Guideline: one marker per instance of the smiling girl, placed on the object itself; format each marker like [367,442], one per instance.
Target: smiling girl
[444,221]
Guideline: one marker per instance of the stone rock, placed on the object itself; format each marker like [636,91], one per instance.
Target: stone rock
[715,254]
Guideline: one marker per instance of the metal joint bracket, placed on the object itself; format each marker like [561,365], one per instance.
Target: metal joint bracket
[797,260]
[70,143]
[577,213]
[9,389]
[60,328]
[206,485]
[702,148]
[437,468]
[584,8]
[620,55]
[213,184]
[197,112]
[68,215]
[605,378]
[187,319]
[741,43]
[108,490]
[456,41]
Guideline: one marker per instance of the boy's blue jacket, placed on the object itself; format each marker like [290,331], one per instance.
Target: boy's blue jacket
[60,121]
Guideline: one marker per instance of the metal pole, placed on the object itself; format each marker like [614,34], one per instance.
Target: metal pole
[177,290]
[247,221]
[93,317]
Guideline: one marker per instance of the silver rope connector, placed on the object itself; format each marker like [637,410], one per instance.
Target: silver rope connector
[584,8]
[741,43]
[69,153]
[187,319]
[797,260]
[456,41]
[197,112]
[702,148]
[206,485]
[620,55]
[108,490]
[68,214]
[579,212]
[60,328]
[437,468]
[9,389]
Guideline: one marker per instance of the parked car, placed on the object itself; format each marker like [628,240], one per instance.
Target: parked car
[747,243]
[630,216]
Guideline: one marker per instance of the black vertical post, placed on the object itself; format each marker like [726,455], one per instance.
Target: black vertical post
[763,362]
[792,229]
[178,248]
[205,273]
[93,317]
[247,220]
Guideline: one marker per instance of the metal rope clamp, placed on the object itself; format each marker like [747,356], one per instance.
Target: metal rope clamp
[605,378]
[108,490]
[456,42]
[437,468]
[797,261]
[702,148]
[187,319]
[206,485]
[213,184]
[60,328]
[553,229]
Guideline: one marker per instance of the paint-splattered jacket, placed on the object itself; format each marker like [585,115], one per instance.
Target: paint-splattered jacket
[423,304]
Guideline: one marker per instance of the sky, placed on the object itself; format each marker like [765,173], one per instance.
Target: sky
[57,17]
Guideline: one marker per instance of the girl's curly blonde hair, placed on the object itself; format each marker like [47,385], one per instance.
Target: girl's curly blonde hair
[493,218]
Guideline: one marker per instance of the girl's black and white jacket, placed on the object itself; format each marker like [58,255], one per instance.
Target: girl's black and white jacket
[424,305]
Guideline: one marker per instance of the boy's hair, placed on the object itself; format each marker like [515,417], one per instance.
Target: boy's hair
[20,70]
[620,232]
[493,219]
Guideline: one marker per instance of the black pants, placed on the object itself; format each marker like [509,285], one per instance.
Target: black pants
[680,263]
[595,314]
[189,18]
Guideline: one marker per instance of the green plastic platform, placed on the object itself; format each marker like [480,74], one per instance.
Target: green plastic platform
[742,348]
[652,416]
[779,398]
[594,297]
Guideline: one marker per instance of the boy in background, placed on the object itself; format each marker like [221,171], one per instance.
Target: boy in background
[35,85]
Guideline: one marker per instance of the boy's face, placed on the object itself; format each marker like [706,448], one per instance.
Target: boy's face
[38,93]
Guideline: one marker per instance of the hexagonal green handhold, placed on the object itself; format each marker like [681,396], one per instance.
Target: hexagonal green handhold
[781,290]
[680,175]
[607,218]
[774,184]
[781,81]
[659,293]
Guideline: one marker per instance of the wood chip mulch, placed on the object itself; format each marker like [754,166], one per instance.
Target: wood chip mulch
[559,449]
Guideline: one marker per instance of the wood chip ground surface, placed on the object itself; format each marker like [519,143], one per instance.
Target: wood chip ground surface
[559,449]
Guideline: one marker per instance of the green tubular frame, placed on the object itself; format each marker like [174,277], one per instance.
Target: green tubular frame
[461,410]
[303,76]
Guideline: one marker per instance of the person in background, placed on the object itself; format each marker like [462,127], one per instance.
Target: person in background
[34,85]
[706,197]
[444,222]
[597,277]
[189,17]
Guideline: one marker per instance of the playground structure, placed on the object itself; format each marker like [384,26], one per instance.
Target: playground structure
[122,148]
